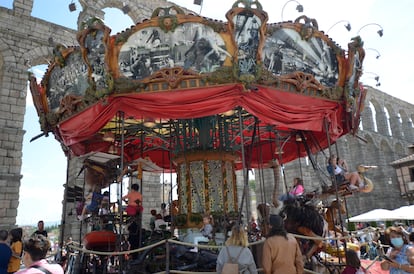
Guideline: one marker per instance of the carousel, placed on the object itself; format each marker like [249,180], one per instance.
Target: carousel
[201,98]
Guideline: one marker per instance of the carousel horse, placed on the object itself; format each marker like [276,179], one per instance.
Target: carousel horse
[301,217]
[263,211]
[332,213]
[98,175]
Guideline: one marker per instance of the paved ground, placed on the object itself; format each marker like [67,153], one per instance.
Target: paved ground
[375,268]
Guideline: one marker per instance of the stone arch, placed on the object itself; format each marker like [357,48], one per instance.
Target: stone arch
[12,101]
[394,121]
[385,146]
[137,12]
[368,117]
[407,130]
[369,138]
[375,106]
[388,112]
[38,55]
[380,118]
[399,149]
[6,64]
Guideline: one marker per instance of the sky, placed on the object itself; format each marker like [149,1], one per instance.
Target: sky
[44,164]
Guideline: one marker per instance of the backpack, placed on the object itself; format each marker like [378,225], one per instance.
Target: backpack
[41,268]
[231,267]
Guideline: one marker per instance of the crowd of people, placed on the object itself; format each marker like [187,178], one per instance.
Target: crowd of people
[31,252]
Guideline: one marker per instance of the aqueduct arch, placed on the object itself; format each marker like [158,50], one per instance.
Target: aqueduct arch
[25,42]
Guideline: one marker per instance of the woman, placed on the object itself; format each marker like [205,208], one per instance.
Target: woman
[236,248]
[281,251]
[339,168]
[297,189]
[16,246]
[34,253]
[400,257]
[353,263]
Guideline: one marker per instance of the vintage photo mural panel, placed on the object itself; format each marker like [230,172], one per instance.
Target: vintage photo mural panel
[193,46]
[71,79]
[247,27]
[286,52]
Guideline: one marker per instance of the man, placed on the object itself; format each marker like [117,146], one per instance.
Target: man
[5,252]
[134,200]
[35,249]
[40,229]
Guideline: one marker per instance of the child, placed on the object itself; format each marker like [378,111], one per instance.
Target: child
[104,207]
[207,229]
[353,264]
[93,200]
[206,232]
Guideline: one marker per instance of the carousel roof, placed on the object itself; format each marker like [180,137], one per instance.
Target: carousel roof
[180,83]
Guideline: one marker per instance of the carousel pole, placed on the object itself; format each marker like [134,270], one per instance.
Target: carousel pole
[171,185]
[121,166]
[328,137]
[245,174]
[64,209]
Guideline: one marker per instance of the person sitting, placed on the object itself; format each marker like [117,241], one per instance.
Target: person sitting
[163,210]
[296,190]
[206,232]
[165,213]
[34,256]
[339,169]
[159,223]
[104,206]
[134,200]
[93,200]
[152,219]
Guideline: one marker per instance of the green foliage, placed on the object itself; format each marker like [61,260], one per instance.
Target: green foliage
[196,218]
[180,219]
[252,184]
[351,226]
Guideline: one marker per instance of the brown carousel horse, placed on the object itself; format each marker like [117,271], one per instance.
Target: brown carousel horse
[263,211]
[303,218]
[332,215]
[99,175]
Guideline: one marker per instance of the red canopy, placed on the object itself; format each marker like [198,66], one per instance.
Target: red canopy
[284,112]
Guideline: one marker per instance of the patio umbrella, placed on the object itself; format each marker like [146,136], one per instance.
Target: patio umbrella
[404,213]
[378,214]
